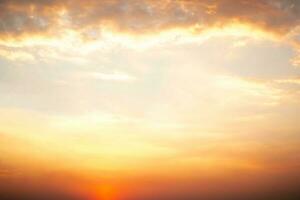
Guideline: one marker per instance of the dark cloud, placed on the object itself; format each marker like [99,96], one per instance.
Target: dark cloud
[139,16]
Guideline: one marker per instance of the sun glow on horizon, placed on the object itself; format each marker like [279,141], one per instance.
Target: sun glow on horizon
[142,99]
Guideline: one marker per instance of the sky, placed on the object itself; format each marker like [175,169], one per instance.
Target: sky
[149,99]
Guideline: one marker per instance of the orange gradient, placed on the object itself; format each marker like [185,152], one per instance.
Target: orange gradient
[149,100]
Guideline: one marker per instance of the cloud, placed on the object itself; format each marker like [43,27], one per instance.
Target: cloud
[296,61]
[115,76]
[136,16]
[295,81]
[82,26]
[16,55]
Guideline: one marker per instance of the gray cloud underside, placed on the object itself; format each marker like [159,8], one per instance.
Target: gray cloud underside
[19,17]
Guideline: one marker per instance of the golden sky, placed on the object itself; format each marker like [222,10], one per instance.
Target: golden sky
[149,99]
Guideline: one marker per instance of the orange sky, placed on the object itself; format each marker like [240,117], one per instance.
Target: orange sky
[148,99]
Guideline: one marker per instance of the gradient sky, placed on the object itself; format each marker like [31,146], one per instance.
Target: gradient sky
[149,99]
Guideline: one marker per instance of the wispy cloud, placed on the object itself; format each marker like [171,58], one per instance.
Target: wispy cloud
[114,76]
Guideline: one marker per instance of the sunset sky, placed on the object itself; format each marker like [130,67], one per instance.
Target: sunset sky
[149,99]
